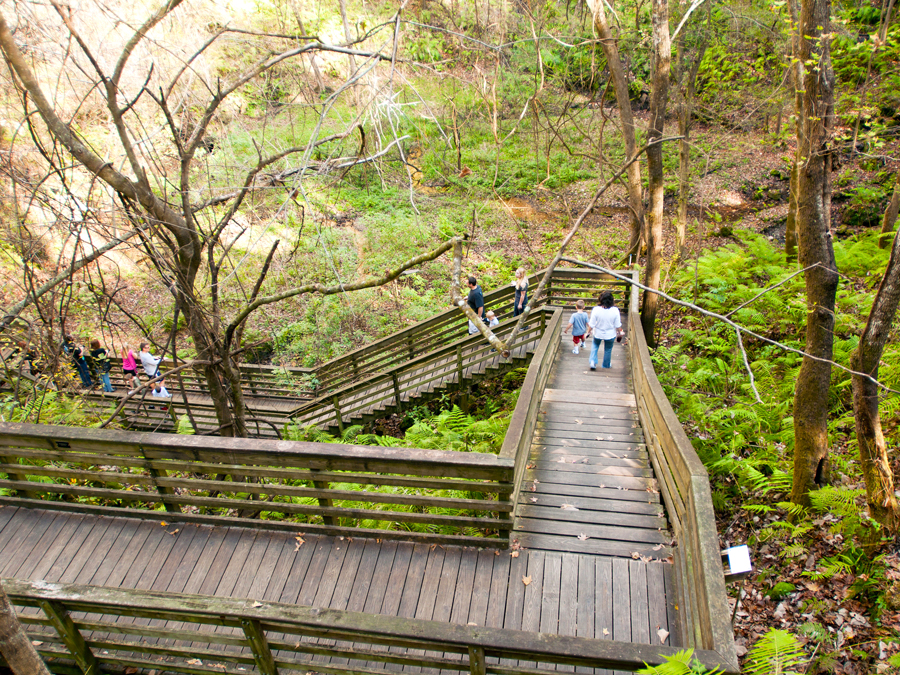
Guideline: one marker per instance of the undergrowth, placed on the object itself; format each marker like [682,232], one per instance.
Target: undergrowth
[747,443]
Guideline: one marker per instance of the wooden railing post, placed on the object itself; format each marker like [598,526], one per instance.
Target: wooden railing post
[459,367]
[337,413]
[476,660]
[324,502]
[355,365]
[156,474]
[409,344]
[22,478]
[397,400]
[260,647]
[75,643]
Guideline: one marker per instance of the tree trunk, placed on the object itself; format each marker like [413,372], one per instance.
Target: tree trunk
[15,646]
[796,83]
[873,456]
[686,79]
[620,85]
[814,127]
[790,225]
[890,218]
[662,55]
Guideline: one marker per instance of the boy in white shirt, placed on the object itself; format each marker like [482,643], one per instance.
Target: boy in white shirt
[492,320]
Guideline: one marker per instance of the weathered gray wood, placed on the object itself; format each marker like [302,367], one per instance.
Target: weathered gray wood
[74,641]
[260,646]
[585,618]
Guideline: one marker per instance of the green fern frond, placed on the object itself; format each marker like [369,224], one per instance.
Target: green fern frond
[794,510]
[777,652]
[681,663]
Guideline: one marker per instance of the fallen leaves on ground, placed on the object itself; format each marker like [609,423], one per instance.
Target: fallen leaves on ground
[526,580]
[568,507]
[662,633]
[583,537]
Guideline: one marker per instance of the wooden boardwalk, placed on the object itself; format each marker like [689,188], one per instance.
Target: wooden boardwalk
[565,593]
[591,557]
[589,486]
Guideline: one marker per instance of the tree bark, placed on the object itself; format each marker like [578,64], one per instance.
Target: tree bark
[15,646]
[814,129]
[662,55]
[873,457]
[890,218]
[796,84]
[686,81]
[610,48]
[790,225]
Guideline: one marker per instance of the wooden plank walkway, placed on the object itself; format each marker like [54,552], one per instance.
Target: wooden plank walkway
[537,590]
[589,486]
[590,558]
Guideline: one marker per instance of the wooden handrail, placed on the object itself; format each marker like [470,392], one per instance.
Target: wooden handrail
[684,485]
[278,637]
[437,360]
[218,467]
[418,339]
[517,444]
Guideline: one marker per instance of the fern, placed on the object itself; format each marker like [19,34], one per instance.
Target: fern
[184,427]
[775,653]
[681,663]
[813,631]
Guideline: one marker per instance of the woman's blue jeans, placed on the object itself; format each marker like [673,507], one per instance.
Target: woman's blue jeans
[607,351]
[107,385]
[84,373]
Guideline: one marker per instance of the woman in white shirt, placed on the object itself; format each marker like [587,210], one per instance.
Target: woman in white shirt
[605,324]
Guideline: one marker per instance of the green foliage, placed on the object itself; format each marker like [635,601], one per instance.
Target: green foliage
[449,430]
[777,652]
[185,428]
[780,590]
[704,375]
[813,631]
[681,663]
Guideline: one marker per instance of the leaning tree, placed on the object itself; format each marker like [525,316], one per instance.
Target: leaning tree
[186,235]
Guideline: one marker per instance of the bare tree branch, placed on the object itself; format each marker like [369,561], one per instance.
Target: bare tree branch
[14,310]
[321,289]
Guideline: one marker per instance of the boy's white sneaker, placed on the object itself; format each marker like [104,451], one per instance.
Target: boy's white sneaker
[575,351]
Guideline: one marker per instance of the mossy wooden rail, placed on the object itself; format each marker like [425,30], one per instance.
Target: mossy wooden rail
[685,489]
[79,628]
[305,487]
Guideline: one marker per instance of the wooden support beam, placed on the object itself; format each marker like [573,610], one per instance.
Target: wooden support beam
[323,501]
[75,643]
[260,646]
[398,401]
[476,660]
[337,413]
